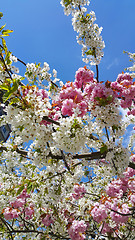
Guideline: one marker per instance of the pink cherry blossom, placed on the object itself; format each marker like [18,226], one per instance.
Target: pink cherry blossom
[10,213]
[79,191]
[99,212]
[47,220]
[82,77]
[19,202]
[102,95]
[77,229]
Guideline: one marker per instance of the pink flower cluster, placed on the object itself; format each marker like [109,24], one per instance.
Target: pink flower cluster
[42,93]
[79,191]
[11,213]
[72,95]
[77,94]
[102,95]
[71,98]
[82,77]
[110,205]
[125,88]
[77,230]
[18,207]
[117,213]
[47,220]
[99,212]
[117,187]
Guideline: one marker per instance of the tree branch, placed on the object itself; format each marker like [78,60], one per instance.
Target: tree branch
[51,120]
[66,164]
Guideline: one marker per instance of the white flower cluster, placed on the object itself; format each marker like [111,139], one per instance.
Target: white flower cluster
[26,123]
[38,105]
[36,73]
[3,74]
[88,36]
[118,157]
[38,150]
[88,32]
[132,69]
[108,115]
[13,58]
[69,5]
[15,69]
[70,136]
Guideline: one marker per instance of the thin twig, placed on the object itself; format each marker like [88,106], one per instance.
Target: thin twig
[97,71]
[8,227]
[5,66]
[107,133]
[66,164]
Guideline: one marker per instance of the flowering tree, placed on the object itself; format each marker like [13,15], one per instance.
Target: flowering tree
[65,173]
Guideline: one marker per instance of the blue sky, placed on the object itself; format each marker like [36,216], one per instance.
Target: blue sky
[43,33]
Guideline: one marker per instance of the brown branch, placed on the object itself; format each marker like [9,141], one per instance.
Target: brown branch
[19,60]
[90,156]
[66,164]
[86,156]
[131,165]
[122,214]
[60,173]
[8,226]
[6,69]
[97,71]
[21,152]
[25,231]
[51,120]
[107,133]
[92,194]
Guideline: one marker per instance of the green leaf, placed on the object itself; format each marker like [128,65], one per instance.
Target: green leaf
[43,238]
[90,52]
[86,173]
[114,127]
[29,187]
[20,189]
[2,27]
[14,100]
[103,148]
[1,15]
[7,58]
[67,2]
[4,86]
[4,44]
[6,32]
[9,93]
[21,128]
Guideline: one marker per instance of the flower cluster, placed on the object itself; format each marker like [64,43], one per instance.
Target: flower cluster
[88,31]
[79,191]
[71,134]
[125,88]
[47,220]
[37,74]
[119,159]
[66,170]
[77,229]
[114,208]
[70,5]
[18,207]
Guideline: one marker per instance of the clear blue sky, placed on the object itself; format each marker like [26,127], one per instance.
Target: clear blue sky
[43,33]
